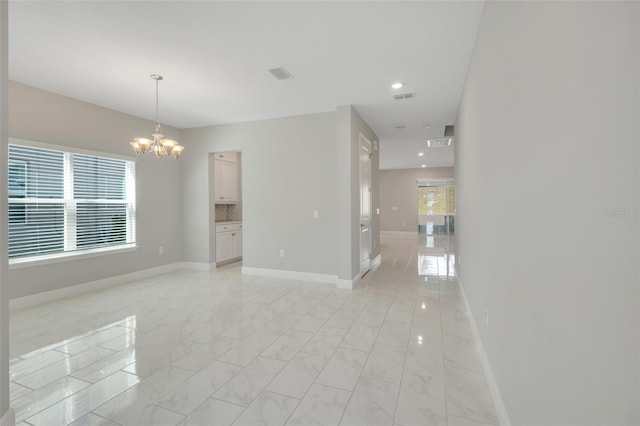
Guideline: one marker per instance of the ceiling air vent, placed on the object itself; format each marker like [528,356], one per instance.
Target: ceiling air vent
[435,143]
[280,73]
[400,127]
[400,96]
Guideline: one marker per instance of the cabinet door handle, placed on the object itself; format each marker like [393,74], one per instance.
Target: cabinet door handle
[233,234]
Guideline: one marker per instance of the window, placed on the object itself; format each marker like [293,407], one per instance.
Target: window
[436,200]
[63,203]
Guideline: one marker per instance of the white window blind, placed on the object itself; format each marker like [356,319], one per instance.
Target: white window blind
[61,202]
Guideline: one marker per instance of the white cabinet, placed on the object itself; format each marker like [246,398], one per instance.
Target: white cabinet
[228,242]
[224,246]
[226,185]
[236,244]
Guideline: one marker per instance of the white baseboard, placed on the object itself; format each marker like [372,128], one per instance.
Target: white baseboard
[411,234]
[76,290]
[376,262]
[290,275]
[196,266]
[348,284]
[501,409]
[303,276]
[79,289]
[8,419]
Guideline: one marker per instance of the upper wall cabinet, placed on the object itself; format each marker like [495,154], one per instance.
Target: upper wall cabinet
[226,178]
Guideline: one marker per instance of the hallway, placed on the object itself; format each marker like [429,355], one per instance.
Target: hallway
[194,348]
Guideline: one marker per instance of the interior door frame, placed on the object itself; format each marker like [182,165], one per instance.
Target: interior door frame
[365,265]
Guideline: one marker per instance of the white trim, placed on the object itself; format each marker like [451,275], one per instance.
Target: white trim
[228,261]
[501,409]
[436,181]
[196,266]
[363,142]
[399,234]
[290,275]
[76,290]
[47,259]
[9,418]
[376,262]
[70,148]
[349,284]
[303,276]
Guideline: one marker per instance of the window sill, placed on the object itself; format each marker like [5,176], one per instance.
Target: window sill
[69,256]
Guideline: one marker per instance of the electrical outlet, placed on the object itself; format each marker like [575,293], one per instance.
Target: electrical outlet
[316,214]
[486,317]
[161,249]
[281,252]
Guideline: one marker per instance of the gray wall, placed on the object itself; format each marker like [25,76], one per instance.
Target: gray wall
[290,167]
[398,188]
[4,293]
[287,172]
[546,148]
[47,117]
[345,188]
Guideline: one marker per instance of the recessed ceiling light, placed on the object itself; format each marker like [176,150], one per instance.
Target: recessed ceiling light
[397,85]
[424,165]
[421,154]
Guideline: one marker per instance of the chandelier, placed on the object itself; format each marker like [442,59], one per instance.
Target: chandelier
[159,146]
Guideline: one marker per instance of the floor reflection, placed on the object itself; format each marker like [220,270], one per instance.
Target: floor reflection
[436,255]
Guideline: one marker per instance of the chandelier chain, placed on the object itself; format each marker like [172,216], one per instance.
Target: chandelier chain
[157,102]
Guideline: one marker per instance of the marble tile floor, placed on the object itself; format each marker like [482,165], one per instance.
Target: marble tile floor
[197,348]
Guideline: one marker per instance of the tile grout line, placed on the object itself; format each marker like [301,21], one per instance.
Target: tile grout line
[367,360]
[320,372]
[446,393]
[404,366]
[314,380]
[55,402]
[97,415]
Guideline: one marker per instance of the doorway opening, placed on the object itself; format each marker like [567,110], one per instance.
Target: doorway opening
[225,195]
[436,207]
[436,227]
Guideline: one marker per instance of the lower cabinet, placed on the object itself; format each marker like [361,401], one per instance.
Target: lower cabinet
[236,244]
[224,246]
[228,242]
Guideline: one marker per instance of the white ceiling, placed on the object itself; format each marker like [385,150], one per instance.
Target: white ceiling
[215,56]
